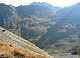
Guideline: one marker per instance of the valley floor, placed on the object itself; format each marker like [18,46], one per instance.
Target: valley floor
[66,56]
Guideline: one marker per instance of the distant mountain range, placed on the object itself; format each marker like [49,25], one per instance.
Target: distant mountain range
[49,27]
[37,9]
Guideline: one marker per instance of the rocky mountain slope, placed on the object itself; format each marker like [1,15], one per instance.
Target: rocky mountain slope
[30,21]
[8,16]
[10,43]
[29,18]
[65,34]
[51,28]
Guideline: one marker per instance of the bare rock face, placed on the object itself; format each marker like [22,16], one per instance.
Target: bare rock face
[12,46]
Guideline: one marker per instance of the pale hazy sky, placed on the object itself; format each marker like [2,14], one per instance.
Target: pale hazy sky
[61,3]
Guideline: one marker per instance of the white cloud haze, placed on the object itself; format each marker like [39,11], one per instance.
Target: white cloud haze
[61,3]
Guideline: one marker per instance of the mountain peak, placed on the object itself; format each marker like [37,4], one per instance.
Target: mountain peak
[39,3]
[79,3]
[76,5]
[42,4]
[2,4]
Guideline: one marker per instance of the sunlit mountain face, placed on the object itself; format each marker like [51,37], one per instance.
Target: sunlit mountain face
[52,28]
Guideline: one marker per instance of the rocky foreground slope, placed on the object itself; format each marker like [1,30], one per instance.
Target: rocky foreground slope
[12,46]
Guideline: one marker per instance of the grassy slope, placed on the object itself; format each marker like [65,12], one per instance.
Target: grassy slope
[19,42]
